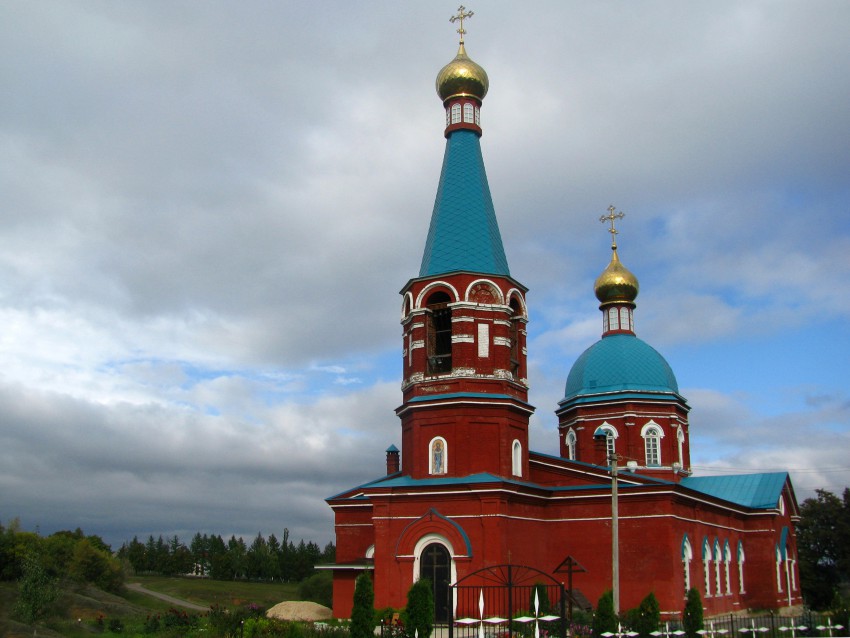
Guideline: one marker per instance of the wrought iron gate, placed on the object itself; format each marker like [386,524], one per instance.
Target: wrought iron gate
[504,601]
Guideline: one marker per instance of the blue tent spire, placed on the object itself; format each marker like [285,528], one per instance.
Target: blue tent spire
[464,233]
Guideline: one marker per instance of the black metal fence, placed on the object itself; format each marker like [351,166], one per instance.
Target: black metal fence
[504,601]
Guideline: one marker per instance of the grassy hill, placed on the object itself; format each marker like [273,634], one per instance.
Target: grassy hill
[77,611]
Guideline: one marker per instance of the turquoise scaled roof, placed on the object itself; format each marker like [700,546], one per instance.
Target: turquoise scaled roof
[464,234]
[619,363]
[759,491]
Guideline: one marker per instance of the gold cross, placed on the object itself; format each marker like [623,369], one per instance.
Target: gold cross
[461,14]
[610,217]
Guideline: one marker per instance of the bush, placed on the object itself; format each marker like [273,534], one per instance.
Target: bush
[605,619]
[363,611]
[36,591]
[692,616]
[419,613]
[646,618]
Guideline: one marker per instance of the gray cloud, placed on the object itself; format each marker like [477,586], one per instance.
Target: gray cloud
[207,216]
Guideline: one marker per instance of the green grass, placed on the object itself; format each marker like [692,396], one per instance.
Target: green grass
[226,593]
[75,613]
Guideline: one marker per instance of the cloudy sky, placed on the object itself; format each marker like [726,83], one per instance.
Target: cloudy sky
[207,211]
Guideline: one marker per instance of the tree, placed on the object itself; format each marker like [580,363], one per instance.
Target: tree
[363,610]
[605,619]
[419,613]
[646,618]
[692,616]
[36,591]
[823,544]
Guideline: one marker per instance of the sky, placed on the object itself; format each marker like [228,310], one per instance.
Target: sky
[207,211]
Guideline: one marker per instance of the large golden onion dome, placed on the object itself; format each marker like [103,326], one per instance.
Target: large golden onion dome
[462,77]
[616,283]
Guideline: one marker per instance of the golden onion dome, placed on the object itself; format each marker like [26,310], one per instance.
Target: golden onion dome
[616,283]
[462,77]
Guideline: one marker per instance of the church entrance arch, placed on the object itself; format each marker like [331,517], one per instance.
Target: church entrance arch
[435,565]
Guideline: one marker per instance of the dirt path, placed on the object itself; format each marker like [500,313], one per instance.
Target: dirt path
[169,599]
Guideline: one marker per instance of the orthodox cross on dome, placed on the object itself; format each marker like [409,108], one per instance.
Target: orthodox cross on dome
[610,217]
[461,14]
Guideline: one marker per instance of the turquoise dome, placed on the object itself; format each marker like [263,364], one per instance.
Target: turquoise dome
[620,363]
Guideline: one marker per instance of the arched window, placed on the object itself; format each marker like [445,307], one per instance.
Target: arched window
[680,440]
[439,320]
[610,438]
[448,116]
[652,444]
[455,113]
[741,559]
[478,116]
[467,113]
[571,445]
[687,557]
[727,561]
[718,558]
[516,459]
[438,457]
[778,569]
[706,562]
[516,315]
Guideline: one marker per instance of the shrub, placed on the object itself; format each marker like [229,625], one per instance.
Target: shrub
[692,616]
[605,619]
[419,613]
[36,590]
[646,618]
[363,610]
[115,625]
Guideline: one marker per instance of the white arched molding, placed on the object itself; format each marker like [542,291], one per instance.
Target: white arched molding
[680,440]
[706,561]
[516,458]
[687,557]
[500,299]
[727,562]
[370,551]
[406,304]
[718,558]
[571,440]
[420,546]
[778,569]
[652,434]
[514,293]
[427,290]
[611,436]
[741,559]
[438,456]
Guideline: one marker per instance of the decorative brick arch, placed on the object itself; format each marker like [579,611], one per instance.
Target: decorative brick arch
[480,288]
[514,293]
[433,523]
[435,286]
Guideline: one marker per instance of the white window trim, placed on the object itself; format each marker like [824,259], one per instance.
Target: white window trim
[516,458]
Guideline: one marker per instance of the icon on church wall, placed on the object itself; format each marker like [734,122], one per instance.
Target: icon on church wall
[438,457]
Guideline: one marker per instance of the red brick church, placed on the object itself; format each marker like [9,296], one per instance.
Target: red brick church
[466,492]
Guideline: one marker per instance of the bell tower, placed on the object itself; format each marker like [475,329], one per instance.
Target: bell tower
[465,392]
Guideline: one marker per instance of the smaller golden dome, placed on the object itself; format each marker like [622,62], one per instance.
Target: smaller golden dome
[616,283]
[462,77]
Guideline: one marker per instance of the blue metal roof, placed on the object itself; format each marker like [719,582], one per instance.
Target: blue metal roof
[464,234]
[759,491]
[619,363]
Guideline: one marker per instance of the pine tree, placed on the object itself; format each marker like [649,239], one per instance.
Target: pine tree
[363,610]
[419,613]
[647,617]
[604,619]
[692,616]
